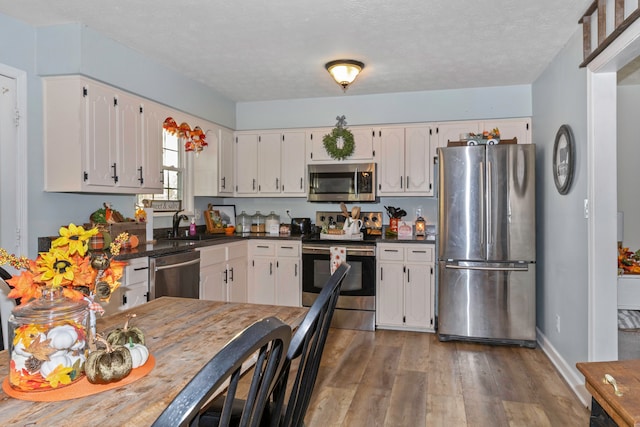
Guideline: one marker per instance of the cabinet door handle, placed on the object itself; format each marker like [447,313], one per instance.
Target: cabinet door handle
[141,179]
[270,268]
[225,276]
[407,182]
[401,179]
[124,299]
[231,270]
[391,250]
[408,275]
[277,184]
[115,173]
[253,185]
[301,179]
[224,182]
[295,270]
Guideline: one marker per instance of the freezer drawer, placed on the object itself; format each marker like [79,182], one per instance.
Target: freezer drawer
[487,302]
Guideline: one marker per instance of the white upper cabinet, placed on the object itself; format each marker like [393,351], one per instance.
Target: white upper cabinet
[213,166]
[362,140]
[94,139]
[405,165]
[519,128]
[246,164]
[154,116]
[293,168]
[270,163]
[510,128]
[226,163]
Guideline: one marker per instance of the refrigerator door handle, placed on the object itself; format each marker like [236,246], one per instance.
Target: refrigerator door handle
[461,267]
[489,204]
[481,209]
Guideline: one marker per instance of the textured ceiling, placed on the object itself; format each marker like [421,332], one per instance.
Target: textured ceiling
[266,50]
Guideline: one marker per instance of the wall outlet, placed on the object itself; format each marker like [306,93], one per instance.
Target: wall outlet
[557,323]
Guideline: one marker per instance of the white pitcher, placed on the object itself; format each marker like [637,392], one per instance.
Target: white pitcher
[355,226]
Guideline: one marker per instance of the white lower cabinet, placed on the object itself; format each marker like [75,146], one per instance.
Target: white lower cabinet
[133,289]
[405,294]
[274,272]
[223,272]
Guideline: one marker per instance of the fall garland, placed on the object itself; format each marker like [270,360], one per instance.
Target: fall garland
[339,143]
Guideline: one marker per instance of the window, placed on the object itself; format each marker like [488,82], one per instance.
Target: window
[175,181]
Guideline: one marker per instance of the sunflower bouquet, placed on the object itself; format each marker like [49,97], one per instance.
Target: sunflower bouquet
[68,266]
[50,329]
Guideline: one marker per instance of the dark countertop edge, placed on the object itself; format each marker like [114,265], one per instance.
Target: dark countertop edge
[166,246]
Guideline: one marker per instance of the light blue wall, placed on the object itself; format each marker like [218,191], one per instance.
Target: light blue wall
[410,107]
[560,97]
[74,49]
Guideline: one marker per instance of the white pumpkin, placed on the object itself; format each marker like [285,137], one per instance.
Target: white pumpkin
[139,354]
[63,336]
[53,362]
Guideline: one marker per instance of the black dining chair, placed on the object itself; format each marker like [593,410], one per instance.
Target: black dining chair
[270,339]
[307,345]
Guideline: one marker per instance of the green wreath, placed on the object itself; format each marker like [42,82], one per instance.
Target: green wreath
[339,136]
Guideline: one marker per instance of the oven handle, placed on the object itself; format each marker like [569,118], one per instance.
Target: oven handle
[311,249]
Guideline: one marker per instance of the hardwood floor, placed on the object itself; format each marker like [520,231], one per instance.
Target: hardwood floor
[392,378]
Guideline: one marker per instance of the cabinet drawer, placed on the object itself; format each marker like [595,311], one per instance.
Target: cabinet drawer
[137,270]
[390,253]
[420,254]
[263,249]
[291,249]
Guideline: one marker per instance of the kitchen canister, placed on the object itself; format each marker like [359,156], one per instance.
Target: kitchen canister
[48,342]
[272,223]
[243,223]
[258,223]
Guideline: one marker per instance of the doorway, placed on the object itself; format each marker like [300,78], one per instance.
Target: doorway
[13,165]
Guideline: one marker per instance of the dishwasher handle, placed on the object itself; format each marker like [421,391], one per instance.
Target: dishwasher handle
[180,264]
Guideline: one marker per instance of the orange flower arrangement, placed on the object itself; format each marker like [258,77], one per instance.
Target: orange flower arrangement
[68,267]
[628,261]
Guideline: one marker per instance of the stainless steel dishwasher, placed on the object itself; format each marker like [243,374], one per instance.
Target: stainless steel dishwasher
[175,275]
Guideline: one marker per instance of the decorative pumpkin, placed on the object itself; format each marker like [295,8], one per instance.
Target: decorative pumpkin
[122,336]
[108,365]
[139,354]
[62,337]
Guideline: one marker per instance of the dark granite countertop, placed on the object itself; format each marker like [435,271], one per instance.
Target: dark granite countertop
[167,246]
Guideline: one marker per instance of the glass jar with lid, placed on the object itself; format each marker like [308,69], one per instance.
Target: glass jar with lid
[258,223]
[243,223]
[48,342]
[272,223]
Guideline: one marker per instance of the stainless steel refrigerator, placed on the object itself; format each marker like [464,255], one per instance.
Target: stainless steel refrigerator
[487,244]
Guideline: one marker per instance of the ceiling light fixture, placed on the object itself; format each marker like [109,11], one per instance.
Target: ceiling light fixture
[344,71]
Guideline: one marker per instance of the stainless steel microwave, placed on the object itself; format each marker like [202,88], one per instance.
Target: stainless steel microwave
[342,182]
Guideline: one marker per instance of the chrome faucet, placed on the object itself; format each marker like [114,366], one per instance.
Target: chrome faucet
[176,221]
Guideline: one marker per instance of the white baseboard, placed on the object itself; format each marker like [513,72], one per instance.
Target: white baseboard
[570,375]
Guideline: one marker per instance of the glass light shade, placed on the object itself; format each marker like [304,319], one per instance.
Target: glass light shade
[344,71]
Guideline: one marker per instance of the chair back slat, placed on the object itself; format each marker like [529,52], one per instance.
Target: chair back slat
[270,338]
[307,345]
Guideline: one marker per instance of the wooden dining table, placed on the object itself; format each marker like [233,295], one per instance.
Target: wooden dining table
[182,335]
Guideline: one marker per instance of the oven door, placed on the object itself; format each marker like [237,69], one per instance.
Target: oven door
[358,288]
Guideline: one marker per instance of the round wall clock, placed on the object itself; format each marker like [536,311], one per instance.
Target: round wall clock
[563,159]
